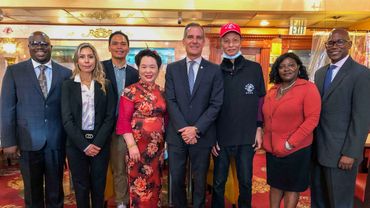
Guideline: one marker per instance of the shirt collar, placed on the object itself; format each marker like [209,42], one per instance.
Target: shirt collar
[37,64]
[340,63]
[197,60]
[117,67]
[78,80]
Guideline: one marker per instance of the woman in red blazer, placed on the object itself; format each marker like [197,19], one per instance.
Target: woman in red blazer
[291,112]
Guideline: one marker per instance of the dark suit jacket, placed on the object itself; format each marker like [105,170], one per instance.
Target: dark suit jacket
[28,120]
[132,76]
[345,113]
[199,109]
[72,114]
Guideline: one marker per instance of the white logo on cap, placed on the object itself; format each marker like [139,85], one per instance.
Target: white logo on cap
[231,26]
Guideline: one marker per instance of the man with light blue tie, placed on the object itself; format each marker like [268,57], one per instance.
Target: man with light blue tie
[31,124]
[344,123]
[194,95]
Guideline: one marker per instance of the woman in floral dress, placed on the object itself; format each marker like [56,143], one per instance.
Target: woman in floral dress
[141,122]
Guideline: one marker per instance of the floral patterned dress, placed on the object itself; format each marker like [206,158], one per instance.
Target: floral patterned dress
[141,112]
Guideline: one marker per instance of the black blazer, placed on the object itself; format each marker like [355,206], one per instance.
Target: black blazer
[199,109]
[72,114]
[132,76]
[345,113]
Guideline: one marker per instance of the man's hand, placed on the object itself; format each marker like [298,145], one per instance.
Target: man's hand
[215,150]
[189,134]
[346,163]
[258,140]
[11,152]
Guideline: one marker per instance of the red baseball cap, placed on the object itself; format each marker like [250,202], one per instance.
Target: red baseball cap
[229,27]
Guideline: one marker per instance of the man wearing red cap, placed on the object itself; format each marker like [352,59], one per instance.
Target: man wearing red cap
[239,131]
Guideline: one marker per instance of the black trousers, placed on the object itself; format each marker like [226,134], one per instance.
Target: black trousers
[199,159]
[332,187]
[43,167]
[243,155]
[88,176]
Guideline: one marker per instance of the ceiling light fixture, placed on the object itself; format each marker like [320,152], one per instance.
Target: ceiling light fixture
[264,23]
[130,20]
[62,20]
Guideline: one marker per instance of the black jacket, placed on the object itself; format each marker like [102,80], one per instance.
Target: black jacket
[132,76]
[243,86]
[72,114]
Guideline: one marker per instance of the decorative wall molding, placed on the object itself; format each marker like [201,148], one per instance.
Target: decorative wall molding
[96,32]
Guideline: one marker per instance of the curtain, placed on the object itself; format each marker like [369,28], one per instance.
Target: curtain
[360,50]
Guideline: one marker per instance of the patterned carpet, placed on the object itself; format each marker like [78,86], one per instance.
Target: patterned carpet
[11,192]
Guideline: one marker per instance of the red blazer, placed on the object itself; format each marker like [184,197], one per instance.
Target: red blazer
[292,118]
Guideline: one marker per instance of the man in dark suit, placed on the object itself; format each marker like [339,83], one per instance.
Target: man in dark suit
[121,75]
[344,123]
[31,123]
[194,93]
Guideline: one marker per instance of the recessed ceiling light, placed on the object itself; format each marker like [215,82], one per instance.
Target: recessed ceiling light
[264,23]
[130,20]
[62,20]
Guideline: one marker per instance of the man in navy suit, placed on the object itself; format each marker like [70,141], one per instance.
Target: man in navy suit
[194,93]
[340,136]
[31,124]
[121,75]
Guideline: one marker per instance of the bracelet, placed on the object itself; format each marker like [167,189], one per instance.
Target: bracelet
[131,145]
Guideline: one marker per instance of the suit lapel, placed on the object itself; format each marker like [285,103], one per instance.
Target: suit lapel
[30,72]
[338,78]
[319,81]
[97,97]
[201,71]
[184,76]
[78,96]
[54,78]
[111,76]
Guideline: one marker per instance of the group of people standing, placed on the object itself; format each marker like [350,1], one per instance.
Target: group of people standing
[111,112]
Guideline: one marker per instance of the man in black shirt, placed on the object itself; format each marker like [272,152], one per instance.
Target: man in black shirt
[239,131]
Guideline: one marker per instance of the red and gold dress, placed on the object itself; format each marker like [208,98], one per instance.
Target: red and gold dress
[141,112]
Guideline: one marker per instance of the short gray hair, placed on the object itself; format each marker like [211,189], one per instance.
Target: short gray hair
[192,24]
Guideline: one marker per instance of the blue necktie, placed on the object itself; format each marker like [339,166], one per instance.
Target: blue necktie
[328,77]
[191,76]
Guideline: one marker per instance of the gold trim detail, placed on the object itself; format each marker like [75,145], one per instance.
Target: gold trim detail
[100,33]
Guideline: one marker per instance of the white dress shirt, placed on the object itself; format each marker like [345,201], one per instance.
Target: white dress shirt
[195,67]
[48,72]
[339,65]
[88,105]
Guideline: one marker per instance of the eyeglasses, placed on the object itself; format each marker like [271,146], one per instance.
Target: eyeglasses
[39,43]
[289,66]
[339,43]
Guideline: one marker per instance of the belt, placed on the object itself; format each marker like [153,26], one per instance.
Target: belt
[88,134]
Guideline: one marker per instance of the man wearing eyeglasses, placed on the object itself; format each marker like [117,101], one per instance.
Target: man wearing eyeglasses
[340,136]
[31,124]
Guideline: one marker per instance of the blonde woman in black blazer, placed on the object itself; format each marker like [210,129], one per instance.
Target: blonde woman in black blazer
[88,116]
